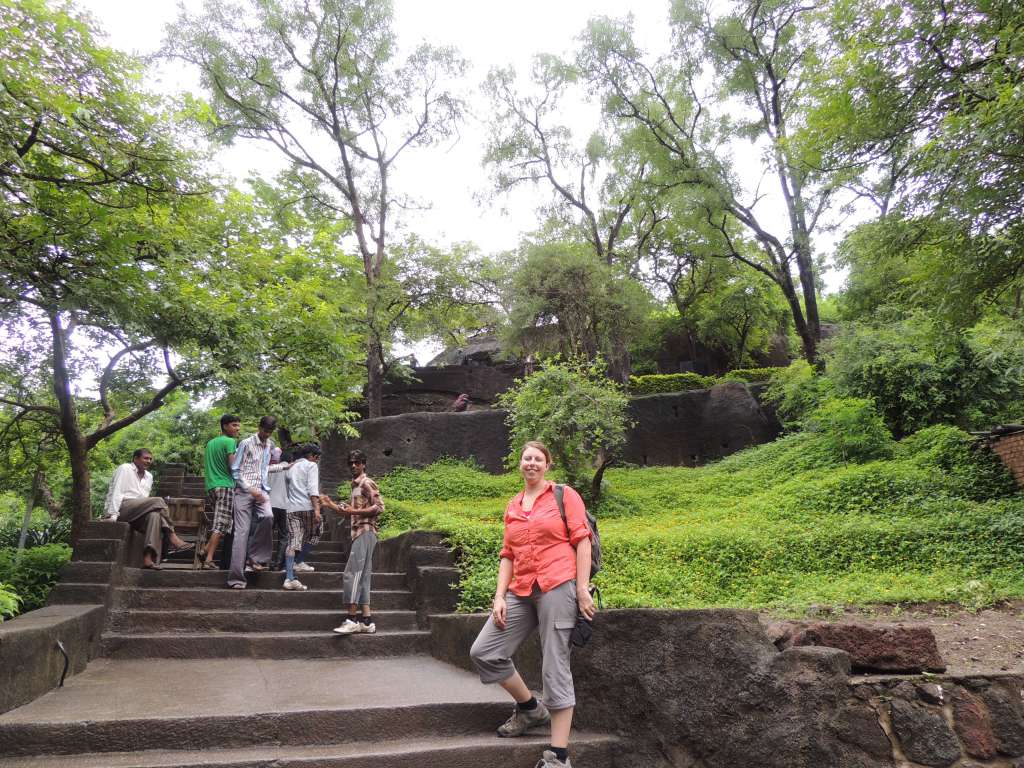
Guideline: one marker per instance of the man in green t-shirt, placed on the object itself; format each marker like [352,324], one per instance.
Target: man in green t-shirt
[220,485]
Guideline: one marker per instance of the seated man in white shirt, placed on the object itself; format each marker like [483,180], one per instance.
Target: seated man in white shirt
[128,500]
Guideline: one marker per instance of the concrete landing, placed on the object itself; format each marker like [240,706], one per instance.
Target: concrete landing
[113,689]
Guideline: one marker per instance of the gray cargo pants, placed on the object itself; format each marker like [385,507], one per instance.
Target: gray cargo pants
[554,613]
[355,583]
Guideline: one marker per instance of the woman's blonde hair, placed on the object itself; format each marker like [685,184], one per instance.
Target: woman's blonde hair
[538,445]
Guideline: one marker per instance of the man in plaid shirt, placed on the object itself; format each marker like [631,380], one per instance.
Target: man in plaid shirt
[364,508]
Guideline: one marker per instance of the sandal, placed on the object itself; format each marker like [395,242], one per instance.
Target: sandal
[209,565]
[186,548]
[151,567]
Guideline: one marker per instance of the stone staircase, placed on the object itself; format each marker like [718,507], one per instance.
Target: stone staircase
[194,674]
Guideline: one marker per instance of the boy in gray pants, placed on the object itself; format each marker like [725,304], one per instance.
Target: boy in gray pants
[364,508]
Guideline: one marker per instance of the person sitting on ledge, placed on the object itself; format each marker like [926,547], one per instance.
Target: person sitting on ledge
[128,500]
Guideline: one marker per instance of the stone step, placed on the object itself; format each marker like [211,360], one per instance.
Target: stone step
[124,705]
[193,622]
[96,550]
[331,546]
[264,645]
[84,572]
[329,556]
[167,599]
[466,751]
[439,556]
[70,593]
[174,577]
[327,566]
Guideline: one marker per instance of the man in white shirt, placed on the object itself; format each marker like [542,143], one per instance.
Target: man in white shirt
[128,500]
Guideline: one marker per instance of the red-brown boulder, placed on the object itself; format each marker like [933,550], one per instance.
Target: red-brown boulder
[892,648]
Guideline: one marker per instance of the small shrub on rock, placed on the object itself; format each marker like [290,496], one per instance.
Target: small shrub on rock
[33,573]
[661,383]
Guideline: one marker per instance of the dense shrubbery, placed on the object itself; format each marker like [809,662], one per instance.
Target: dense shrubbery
[656,384]
[9,601]
[39,534]
[784,524]
[33,573]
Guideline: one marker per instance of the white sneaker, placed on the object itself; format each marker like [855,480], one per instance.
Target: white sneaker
[295,584]
[368,629]
[350,628]
[304,568]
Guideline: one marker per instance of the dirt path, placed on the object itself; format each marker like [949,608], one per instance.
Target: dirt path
[971,642]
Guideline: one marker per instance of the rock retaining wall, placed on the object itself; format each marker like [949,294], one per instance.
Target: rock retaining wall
[677,429]
[950,721]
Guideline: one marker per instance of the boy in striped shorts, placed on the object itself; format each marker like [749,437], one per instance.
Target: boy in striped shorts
[305,525]
[220,485]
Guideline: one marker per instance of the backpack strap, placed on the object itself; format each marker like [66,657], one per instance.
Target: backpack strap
[559,491]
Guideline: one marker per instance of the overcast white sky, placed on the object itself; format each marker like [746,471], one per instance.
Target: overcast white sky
[449,178]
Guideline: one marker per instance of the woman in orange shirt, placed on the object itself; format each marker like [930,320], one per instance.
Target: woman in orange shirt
[543,583]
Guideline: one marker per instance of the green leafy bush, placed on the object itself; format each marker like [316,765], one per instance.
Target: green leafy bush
[661,383]
[9,601]
[795,391]
[851,429]
[33,573]
[965,462]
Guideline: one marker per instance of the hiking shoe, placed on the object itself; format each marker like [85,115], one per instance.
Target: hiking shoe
[295,584]
[304,568]
[523,720]
[350,628]
[548,760]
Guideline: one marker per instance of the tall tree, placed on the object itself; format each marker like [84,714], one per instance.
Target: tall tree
[759,54]
[322,83]
[925,102]
[93,187]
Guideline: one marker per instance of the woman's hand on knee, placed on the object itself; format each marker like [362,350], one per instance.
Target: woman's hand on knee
[499,612]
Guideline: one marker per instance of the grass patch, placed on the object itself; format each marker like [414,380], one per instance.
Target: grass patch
[783,525]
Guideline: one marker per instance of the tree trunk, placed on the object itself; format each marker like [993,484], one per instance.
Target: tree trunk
[374,376]
[81,501]
[78,449]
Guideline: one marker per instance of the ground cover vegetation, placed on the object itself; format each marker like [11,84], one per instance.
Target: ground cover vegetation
[799,521]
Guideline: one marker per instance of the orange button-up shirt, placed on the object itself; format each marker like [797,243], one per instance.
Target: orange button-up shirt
[537,543]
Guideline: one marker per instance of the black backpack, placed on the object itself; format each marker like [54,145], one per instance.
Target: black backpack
[595,537]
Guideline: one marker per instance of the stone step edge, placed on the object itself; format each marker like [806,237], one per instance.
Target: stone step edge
[241,730]
[137,636]
[428,750]
[185,612]
[250,589]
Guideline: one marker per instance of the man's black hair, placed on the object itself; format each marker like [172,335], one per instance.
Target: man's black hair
[311,449]
[357,455]
[140,451]
[228,418]
[268,423]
